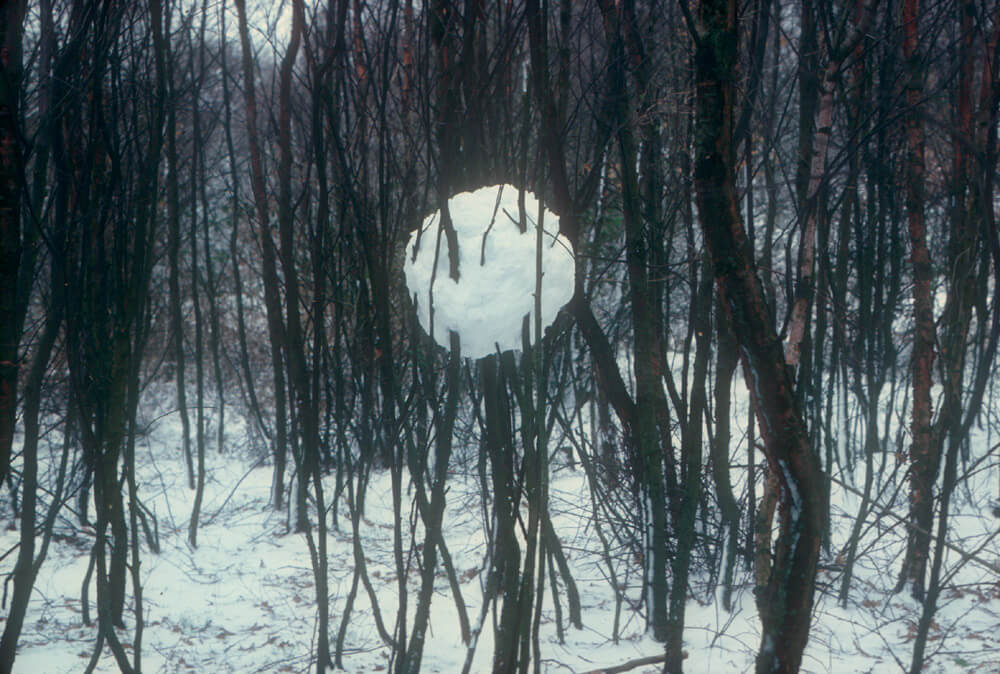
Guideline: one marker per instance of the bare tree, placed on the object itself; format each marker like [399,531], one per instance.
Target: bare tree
[788,606]
[272,299]
[11,171]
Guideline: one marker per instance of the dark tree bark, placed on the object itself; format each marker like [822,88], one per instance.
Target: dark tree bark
[925,453]
[785,614]
[11,171]
[27,565]
[198,180]
[248,380]
[817,97]
[951,430]
[294,342]
[727,358]
[319,76]
[690,481]
[649,389]
[99,343]
[166,52]
[272,299]
[434,507]
[207,264]
[108,267]
[506,501]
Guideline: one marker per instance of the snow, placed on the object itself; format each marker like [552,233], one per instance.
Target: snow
[244,600]
[496,285]
[793,490]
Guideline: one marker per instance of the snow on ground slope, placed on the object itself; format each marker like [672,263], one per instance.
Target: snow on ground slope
[244,600]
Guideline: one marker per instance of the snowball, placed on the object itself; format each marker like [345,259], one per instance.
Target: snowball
[496,288]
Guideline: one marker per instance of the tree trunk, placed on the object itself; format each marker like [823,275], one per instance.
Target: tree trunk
[432,512]
[789,595]
[649,396]
[198,179]
[295,347]
[727,359]
[925,453]
[816,95]
[27,564]
[507,551]
[272,299]
[247,381]
[691,460]
[26,567]
[173,252]
[11,171]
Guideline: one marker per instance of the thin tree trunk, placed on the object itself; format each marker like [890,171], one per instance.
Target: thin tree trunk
[727,359]
[272,300]
[649,389]
[953,428]
[506,499]
[173,251]
[27,565]
[819,143]
[925,452]
[294,341]
[691,460]
[235,206]
[433,511]
[211,289]
[11,171]
[197,179]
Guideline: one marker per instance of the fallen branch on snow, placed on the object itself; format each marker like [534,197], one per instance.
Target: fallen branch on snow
[631,664]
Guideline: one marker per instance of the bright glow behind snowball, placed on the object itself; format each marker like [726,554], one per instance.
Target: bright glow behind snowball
[487,305]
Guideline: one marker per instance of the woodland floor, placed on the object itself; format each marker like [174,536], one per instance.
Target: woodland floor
[244,600]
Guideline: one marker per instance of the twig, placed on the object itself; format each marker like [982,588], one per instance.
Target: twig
[254,467]
[967,556]
[631,664]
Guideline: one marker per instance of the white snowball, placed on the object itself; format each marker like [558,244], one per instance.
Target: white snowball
[487,305]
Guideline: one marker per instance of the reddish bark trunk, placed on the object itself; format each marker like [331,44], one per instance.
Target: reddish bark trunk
[924,453]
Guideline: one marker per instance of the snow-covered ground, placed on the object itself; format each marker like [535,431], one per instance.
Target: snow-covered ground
[244,600]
